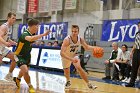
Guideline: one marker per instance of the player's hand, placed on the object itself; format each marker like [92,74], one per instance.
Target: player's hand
[47,32]
[8,44]
[13,43]
[115,61]
[106,61]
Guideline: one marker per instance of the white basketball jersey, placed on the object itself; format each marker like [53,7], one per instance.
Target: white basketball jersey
[7,34]
[73,48]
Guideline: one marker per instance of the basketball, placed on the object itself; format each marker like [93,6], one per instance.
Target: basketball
[98,52]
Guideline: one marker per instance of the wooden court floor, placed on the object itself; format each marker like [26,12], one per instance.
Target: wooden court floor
[52,83]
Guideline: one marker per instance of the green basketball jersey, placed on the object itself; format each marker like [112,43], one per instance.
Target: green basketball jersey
[24,47]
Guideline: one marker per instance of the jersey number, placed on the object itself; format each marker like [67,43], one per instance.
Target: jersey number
[72,49]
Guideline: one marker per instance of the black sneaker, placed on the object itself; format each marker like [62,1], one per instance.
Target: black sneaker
[17,81]
[130,85]
[68,84]
[115,78]
[107,77]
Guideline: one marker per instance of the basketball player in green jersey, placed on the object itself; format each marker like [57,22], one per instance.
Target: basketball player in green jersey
[22,52]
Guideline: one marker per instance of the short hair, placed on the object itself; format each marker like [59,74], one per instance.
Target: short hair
[10,14]
[50,43]
[75,26]
[115,43]
[125,46]
[32,22]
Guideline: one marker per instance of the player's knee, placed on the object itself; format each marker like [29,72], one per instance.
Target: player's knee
[25,72]
[12,59]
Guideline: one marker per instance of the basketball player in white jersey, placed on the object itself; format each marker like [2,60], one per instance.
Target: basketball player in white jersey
[5,41]
[68,53]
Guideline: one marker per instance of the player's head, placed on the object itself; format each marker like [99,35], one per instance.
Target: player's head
[33,25]
[75,30]
[115,46]
[11,18]
[124,47]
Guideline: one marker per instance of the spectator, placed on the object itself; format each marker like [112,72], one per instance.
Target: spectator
[42,43]
[49,44]
[125,64]
[109,64]
[55,44]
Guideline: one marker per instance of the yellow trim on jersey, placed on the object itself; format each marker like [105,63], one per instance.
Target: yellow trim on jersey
[19,48]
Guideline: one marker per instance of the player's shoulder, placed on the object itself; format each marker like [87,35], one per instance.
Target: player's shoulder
[66,40]
[3,29]
[3,26]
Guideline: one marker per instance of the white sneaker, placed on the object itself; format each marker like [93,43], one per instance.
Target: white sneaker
[128,80]
[9,77]
[125,79]
[137,79]
[91,86]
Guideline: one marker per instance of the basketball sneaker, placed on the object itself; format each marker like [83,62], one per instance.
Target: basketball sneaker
[17,81]
[31,89]
[9,77]
[91,86]
[68,84]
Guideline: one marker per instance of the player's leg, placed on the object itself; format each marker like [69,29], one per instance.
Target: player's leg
[20,63]
[25,72]
[67,75]
[66,68]
[81,71]
[18,79]
[83,74]
[10,55]
[7,53]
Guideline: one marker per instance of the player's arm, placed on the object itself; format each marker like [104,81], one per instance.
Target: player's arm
[86,46]
[2,32]
[36,37]
[127,59]
[132,51]
[12,42]
[63,49]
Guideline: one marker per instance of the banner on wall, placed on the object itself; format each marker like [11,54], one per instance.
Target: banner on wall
[21,6]
[59,30]
[44,6]
[119,30]
[56,5]
[70,4]
[32,6]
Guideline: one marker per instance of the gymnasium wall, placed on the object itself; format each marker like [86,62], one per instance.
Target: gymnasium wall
[87,13]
